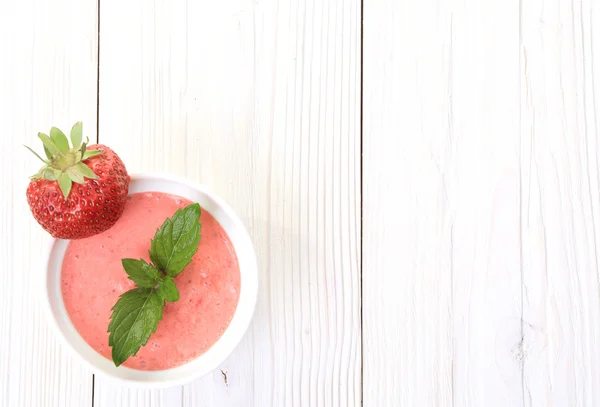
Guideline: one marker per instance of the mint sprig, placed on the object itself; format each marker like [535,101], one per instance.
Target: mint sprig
[144,275]
[137,312]
[168,290]
[135,317]
[176,241]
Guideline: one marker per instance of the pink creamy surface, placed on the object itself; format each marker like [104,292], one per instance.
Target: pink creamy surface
[93,279]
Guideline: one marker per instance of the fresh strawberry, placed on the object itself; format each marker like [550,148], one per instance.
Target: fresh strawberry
[81,190]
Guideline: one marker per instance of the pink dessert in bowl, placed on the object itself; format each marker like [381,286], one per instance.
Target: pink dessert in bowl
[93,278]
[217,289]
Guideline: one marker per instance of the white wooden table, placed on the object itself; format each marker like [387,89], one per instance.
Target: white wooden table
[423,189]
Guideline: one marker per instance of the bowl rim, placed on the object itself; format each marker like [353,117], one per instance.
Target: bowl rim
[246,310]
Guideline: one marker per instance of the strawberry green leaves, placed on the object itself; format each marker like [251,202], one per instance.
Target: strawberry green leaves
[36,154]
[76,134]
[135,317]
[176,241]
[136,314]
[75,175]
[90,153]
[51,174]
[65,184]
[49,147]
[59,140]
[65,164]
[85,171]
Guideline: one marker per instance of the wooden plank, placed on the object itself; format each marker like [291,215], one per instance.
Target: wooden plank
[441,267]
[107,393]
[47,77]
[560,202]
[259,100]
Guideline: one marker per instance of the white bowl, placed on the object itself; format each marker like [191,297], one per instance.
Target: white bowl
[212,358]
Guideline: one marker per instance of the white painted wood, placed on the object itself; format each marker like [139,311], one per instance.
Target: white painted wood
[108,394]
[484,184]
[560,202]
[261,101]
[481,189]
[47,77]
[441,272]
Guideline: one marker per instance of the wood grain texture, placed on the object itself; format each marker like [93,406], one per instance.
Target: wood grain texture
[560,202]
[107,393]
[481,126]
[260,100]
[441,267]
[481,189]
[47,77]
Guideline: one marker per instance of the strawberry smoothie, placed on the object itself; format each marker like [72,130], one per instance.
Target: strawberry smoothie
[93,279]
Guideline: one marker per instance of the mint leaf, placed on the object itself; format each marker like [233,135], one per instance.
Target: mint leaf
[141,273]
[135,317]
[176,241]
[168,290]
